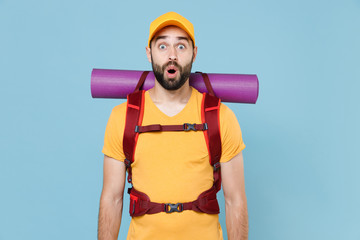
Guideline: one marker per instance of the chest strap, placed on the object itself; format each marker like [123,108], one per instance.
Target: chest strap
[171,128]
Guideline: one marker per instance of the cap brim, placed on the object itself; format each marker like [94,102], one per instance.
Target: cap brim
[171,22]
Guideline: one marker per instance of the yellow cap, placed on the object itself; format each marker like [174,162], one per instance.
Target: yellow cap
[174,19]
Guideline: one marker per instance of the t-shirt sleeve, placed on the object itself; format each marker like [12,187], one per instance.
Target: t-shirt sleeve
[231,137]
[113,139]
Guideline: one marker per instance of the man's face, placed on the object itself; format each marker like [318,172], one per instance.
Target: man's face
[171,55]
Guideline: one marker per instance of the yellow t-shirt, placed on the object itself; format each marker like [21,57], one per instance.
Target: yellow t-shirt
[172,167]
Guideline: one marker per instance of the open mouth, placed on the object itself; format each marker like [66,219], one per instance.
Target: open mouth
[171,71]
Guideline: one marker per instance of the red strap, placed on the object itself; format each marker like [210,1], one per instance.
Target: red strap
[140,204]
[134,115]
[168,128]
[211,111]
[141,80]
[207,83]
[211,115]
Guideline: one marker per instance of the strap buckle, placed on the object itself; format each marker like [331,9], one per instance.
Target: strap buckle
[170,207]
[216,166]
[127,163]
[188,127]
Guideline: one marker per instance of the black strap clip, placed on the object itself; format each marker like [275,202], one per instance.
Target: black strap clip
[216,166]
[188,127]
[136,128]
[170,207]
[127,163]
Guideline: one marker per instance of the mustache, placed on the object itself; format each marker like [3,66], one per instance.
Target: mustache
[171,63]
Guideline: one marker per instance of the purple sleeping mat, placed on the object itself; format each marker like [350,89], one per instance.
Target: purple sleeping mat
[238,88]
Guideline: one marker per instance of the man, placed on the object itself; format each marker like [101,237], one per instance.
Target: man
[173,167]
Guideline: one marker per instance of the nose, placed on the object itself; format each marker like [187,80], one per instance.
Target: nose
[172,54]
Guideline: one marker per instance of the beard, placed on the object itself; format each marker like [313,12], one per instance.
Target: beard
[171,83]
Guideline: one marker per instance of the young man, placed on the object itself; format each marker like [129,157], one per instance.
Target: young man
[173,167]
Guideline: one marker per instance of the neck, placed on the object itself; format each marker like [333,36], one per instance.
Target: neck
[160,95]
[170,102]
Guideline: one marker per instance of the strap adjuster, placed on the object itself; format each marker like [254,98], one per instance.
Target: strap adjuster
[127,163]
[188,127]
[216,166]
[170,207]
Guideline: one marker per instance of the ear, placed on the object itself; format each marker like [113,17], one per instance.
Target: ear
[148,53]
[195,53]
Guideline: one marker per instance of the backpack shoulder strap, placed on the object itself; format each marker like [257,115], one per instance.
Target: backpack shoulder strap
[134,116]
[211,116]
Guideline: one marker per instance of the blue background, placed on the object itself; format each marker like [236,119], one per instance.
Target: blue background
[302,158]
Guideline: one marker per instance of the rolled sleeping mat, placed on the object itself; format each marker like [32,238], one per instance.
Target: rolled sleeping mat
[238,88]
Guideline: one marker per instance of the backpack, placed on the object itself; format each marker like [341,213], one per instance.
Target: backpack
[206,202]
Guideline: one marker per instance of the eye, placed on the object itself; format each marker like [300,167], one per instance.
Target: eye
[181,46]
[162,46]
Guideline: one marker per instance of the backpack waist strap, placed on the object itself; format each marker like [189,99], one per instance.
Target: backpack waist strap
[140,204]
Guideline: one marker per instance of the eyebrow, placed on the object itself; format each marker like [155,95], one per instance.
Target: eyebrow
[179,38]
